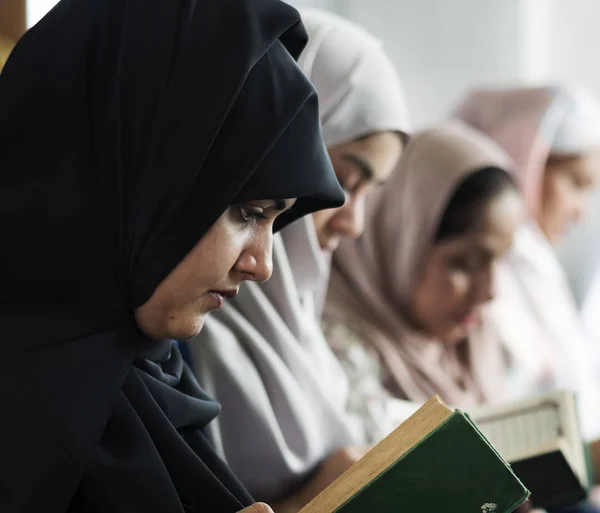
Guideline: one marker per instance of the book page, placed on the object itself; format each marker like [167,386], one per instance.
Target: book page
[533,426]
[523,431]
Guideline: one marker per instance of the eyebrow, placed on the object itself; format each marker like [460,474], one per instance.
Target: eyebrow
[364,167]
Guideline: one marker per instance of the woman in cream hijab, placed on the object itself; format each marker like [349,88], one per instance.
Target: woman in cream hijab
[283,428]
[411,291]
[553,136]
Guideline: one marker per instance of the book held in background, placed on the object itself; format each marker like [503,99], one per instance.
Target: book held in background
[540,437]
[436,461]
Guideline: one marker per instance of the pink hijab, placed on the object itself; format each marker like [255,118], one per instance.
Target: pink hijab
[373,277]
[532,123]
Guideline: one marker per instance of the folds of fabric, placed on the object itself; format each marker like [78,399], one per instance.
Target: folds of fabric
[535,311]
[264,355]
[117,121]
[374,277]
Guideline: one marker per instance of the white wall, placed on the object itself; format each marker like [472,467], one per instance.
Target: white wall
[575,42]
[37,9]
[574,56]
[324,4]
[443,47]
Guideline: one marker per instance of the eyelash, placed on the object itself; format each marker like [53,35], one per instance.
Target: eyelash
[250,214]
[350,185]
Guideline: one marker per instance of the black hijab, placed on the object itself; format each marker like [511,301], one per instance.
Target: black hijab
[127,128]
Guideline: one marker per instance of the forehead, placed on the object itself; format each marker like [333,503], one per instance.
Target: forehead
[375,155]
[586,167]
[494,224]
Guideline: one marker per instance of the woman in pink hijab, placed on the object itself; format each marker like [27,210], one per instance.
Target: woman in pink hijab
[412,289]
[553,136]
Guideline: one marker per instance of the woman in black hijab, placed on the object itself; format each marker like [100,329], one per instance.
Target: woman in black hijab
[149,149]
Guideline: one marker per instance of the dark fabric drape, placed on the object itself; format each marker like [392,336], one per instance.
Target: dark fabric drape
[127,127]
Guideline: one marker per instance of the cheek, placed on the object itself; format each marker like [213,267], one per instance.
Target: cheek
[209,263]
[557,194]
[449,285]
[452,295]
[459,285]
[450,292]
[437,296]
[322,218]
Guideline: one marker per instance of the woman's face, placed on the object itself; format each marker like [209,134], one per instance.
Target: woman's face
[237,248]
[458,277]
[359,166]
[567,184]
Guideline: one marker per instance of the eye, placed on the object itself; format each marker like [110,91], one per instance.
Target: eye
[351,185]
[581,183]
[574,180]
[249,213]
[353,189]
[469,263]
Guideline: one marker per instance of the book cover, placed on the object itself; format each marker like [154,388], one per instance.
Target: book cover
[436,461]
[551,480]
[452,470]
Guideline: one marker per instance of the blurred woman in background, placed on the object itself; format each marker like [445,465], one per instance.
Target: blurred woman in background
[553,136]
[284,428]
[407,300]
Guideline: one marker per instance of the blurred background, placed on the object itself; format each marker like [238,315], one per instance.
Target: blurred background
[442,48]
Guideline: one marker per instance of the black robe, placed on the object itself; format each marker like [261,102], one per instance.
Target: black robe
[127,127]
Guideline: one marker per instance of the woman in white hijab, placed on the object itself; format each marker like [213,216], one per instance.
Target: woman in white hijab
[553,136]
[284,429]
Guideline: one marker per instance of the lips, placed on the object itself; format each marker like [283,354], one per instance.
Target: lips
[219,296]
[229,294]
[218,299]
[470,319]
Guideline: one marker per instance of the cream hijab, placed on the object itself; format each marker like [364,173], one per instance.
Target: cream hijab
[373,277]
[263,355]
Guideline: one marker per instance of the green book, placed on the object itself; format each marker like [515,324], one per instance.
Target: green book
[437,461]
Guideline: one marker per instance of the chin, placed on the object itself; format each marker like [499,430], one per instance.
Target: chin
[330,245]
[184,331]
[555,235]
[455,335]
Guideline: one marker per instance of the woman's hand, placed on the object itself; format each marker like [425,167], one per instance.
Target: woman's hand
[333,467]
[259,507]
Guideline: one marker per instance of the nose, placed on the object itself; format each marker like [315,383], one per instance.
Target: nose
[255,263]
[578,208]
[349,220]
[484,289]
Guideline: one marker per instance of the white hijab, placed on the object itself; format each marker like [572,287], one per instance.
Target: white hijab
[263,355]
